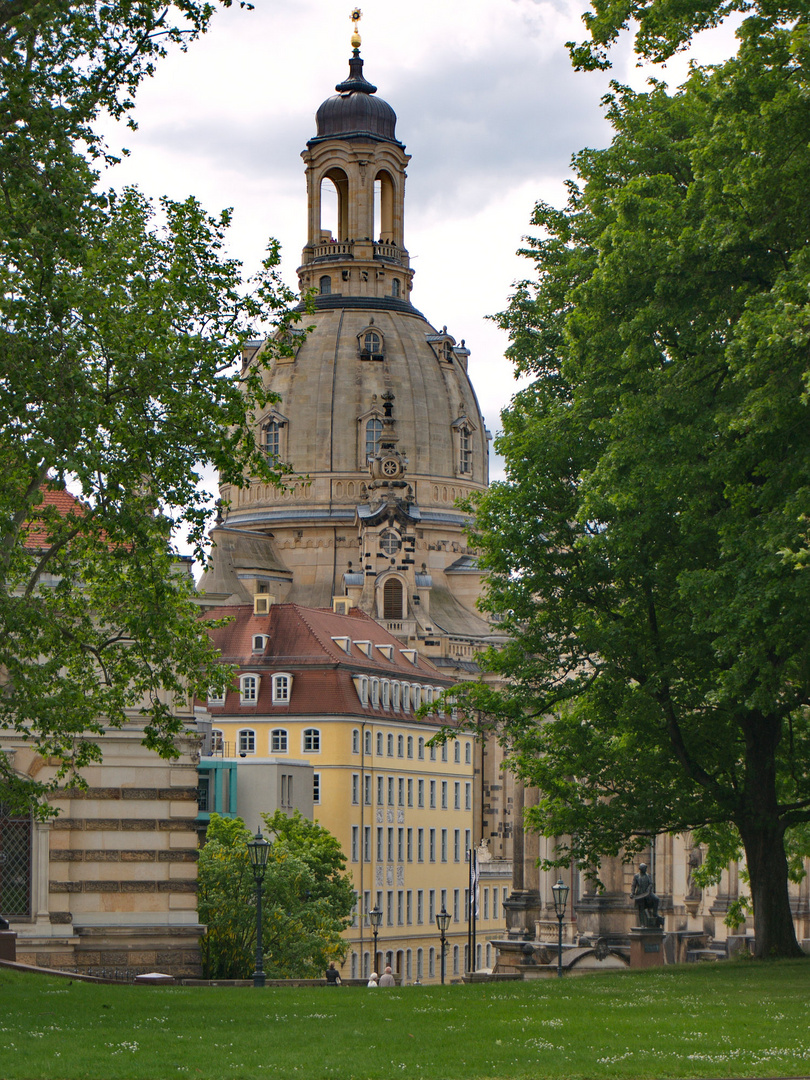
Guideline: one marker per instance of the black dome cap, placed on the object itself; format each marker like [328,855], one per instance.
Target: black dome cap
[354,111]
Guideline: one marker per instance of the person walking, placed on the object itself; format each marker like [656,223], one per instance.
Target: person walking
[388,979]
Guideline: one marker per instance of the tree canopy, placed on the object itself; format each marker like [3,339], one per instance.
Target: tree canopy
[307,899]
[647,549]
[122,325]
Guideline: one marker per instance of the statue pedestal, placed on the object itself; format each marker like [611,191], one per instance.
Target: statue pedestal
[646,947]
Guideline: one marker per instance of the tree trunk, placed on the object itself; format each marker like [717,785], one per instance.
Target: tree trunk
[763,836]
[764,843]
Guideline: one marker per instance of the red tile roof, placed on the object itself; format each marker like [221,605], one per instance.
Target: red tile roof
[36,534]
[300,643]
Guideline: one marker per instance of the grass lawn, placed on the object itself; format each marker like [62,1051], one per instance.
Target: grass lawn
[722,1020]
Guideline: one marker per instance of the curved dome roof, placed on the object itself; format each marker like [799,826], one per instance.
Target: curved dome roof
[354,111]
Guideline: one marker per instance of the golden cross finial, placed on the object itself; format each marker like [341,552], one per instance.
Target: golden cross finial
[356,16]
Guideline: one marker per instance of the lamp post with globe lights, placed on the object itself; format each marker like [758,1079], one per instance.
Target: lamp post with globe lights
[442,921]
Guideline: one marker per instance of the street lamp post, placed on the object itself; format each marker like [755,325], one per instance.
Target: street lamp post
[258,849]
[442,921]
[375,918]
[560,893]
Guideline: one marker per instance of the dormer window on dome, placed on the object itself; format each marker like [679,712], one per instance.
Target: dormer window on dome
[372,344]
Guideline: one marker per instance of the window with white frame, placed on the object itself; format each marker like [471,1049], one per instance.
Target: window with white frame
[379,744]
[416,696]
[389,743]
[456,751]
[282,688]
[278,741]
[217,741]
[249,689]
[468,796]
[396,694]
[373,435]
[467,752]
[246,741]
[258,642]
[311,741]
[406,697]
[216,697]
[420,748]
[400,746]
[386,693]
[367,742]
[355,789]
[410,746]
[355,740]
[375,693]
[316,787]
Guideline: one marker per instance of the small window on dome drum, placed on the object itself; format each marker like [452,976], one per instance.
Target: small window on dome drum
[325,285]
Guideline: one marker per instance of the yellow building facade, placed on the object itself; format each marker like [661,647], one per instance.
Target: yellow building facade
[339,692]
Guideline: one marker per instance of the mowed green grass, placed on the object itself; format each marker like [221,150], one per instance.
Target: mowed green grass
[723,1020]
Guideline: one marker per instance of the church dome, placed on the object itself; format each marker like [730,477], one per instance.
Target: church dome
[355,111]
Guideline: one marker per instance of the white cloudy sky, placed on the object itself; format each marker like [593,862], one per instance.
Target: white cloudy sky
[487,105]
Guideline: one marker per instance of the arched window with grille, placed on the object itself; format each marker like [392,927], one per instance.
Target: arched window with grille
[15,868]
[392,599]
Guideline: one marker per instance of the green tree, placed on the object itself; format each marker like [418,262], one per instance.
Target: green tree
[643,549]
[121,333]
[307,900]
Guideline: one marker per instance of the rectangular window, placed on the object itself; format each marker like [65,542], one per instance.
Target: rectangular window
[355,789]
[444,845]
[278,741]
[390,845]
[367,792]
[380,850]
[420,845]
[444,794]
[367,843]
[444,751]
[420,792]
[410,845]
[390,912]
[443,898]
[366,907]
[410,792]
[400,908]
[432,752]
[466,841]
[432,906]
[312,741]
[420,906]
[400,845]
[432,845]
[486,903]
[468,796]
[432,794]
[409,907]
[432,963]
[380,790]
[457,795]
[390,791]
[316,787]
[457,845]
[401,791]
[456,898]
[355,842]
[494,903]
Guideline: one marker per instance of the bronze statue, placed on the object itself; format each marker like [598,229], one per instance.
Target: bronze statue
[642,895]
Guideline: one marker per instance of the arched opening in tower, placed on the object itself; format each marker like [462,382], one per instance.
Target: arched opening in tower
[392,599]
[384,207]
[334,206]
